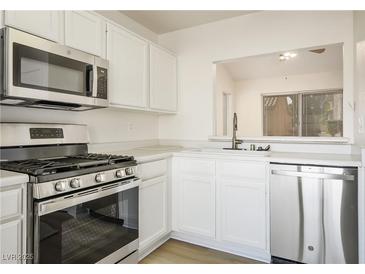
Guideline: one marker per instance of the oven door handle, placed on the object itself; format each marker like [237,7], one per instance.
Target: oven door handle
[56,204]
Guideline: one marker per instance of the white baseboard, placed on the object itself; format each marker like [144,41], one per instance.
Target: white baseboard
[249,252]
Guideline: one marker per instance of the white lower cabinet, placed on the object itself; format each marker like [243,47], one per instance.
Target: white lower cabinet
[10,242]
[222,204]
[12,224]
[154,205]
[153,210]
[194,195]
[241,203]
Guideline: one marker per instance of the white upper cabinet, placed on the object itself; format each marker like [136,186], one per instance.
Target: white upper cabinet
[128,68]
[85,31]
[163,91]
[46,24]
[241,203]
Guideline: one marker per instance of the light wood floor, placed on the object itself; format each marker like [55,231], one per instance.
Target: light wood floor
[177,252]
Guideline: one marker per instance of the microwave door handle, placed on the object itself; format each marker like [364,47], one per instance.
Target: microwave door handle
[94,81]
[89,80]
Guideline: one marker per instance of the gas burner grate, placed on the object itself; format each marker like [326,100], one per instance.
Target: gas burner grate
[51,166]
[38,167]
[110,158]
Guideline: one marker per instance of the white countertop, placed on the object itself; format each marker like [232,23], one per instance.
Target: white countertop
[8,178]
[146,154]
[349,160]
[151,153]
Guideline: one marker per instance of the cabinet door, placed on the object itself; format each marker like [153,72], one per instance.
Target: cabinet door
[152,210]
[128,68]
[241,203]
[195,193]
[11,242]
[46,24]
[85,31]
[163,91]
[11,203]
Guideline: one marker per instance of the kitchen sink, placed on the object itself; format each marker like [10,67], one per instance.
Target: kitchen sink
[233,151]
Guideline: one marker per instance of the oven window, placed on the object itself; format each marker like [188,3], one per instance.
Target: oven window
[89,232]
[42,70]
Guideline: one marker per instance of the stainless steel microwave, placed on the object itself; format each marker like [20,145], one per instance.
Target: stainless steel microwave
[39,73]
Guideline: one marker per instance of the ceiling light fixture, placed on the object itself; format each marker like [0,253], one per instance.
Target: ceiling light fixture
[287,56]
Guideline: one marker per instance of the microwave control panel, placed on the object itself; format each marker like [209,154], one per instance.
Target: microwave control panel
[102,85]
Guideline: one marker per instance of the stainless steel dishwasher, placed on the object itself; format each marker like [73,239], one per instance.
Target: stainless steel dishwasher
[313,214]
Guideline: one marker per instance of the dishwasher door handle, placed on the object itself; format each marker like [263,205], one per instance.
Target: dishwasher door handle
[329,176]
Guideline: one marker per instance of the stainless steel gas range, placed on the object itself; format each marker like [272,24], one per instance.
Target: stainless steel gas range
[82,207]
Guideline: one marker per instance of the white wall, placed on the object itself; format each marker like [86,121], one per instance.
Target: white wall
[248,102]
[105,125]
[253,34]
[1,18]
[359,36]
[223,84]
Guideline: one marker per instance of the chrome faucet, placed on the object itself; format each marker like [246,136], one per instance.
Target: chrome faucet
[235,141]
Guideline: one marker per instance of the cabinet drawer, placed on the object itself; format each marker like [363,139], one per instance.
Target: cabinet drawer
[241,170]
[11,203]
[152,169]
[197,167]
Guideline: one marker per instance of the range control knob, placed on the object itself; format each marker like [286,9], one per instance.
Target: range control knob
[99,178]
[129,171]
[75,183]
[120,173]
[60,186]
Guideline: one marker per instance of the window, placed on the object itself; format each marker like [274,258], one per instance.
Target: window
[281,115]
[314,114]
[322,114]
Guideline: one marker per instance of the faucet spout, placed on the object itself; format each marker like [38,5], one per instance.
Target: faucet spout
[235,141]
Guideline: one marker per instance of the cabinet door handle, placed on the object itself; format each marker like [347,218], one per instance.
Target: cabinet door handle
[344,177]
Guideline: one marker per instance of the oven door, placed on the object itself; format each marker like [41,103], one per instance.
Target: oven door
[99,225]
[42,72]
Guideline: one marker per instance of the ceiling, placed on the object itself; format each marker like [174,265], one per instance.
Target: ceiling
[269,65]
[162,21]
